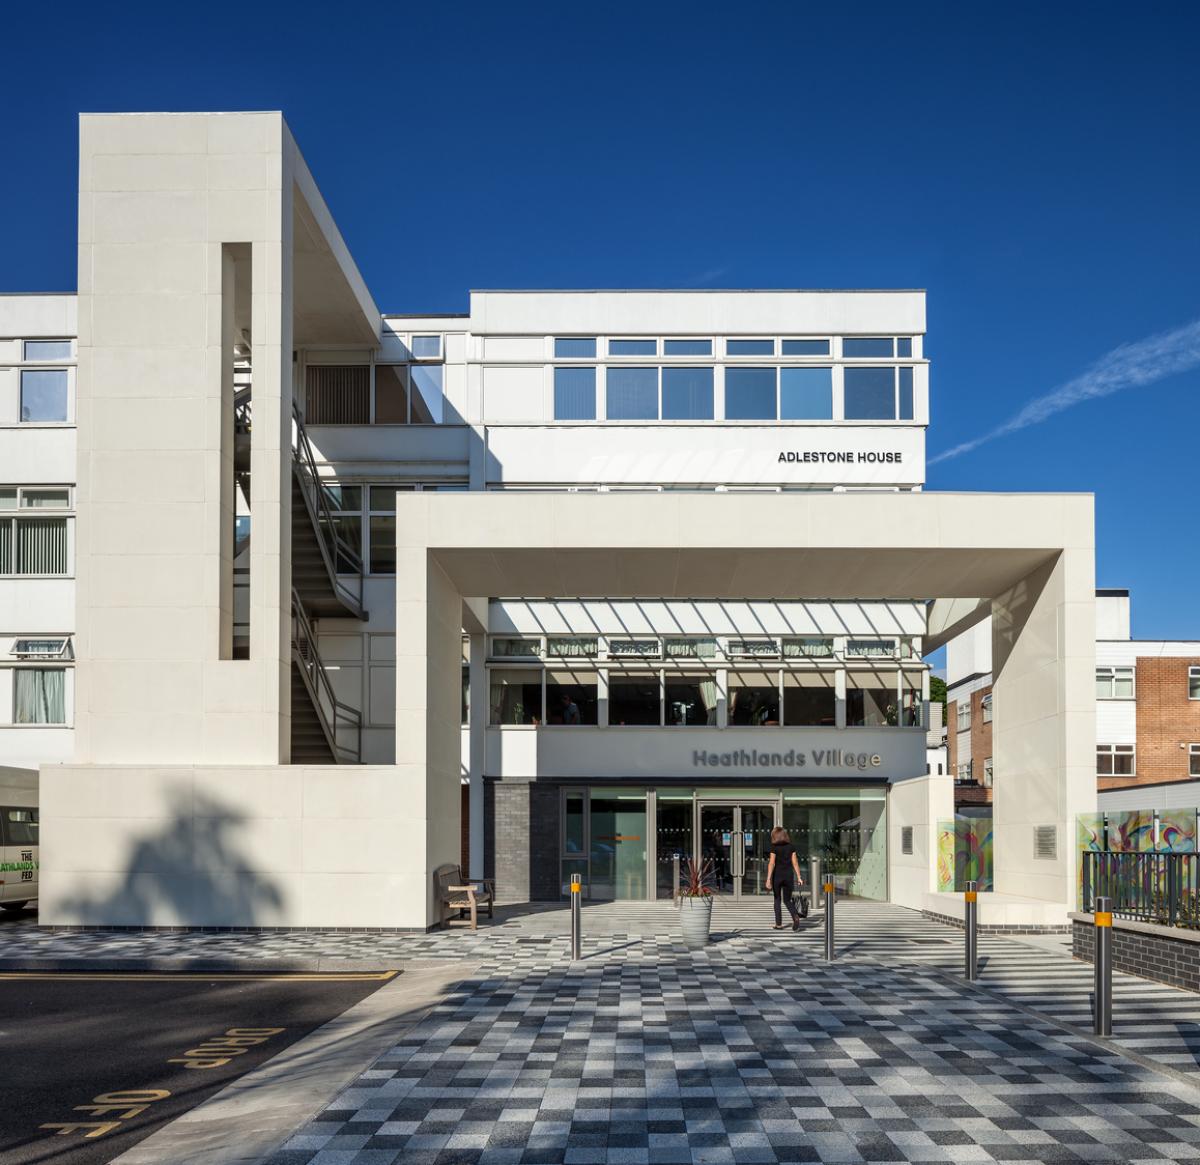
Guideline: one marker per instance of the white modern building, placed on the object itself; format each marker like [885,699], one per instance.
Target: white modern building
[300,600]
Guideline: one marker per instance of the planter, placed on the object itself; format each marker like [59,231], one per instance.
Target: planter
[695,919]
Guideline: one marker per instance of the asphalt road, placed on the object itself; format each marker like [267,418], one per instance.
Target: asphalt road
[90,1064]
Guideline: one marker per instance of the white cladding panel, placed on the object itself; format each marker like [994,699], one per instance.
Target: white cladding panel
[514,393]
[632,313]
[36,606]
[1112,616]
[701,618]
[654,753]
[706,455]
[30,316]
[37,455]
[1116,722]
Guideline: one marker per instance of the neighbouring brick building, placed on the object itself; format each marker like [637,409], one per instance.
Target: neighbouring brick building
[1147,707]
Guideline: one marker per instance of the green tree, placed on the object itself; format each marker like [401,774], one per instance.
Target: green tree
[937,691]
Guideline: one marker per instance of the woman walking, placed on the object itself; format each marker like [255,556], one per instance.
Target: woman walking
[783,875]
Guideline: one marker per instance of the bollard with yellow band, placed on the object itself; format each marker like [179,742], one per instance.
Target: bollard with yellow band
[971,930]
[828,888]
[1102,988]
[576,920]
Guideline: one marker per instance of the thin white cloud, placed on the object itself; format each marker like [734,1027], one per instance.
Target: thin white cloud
[1128,366]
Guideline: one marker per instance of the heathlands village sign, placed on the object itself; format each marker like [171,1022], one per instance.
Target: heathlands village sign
[822,758]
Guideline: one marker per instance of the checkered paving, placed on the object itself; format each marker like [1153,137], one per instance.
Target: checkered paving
[753,1050]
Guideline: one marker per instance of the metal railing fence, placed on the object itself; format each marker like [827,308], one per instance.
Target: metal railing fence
[1146,887]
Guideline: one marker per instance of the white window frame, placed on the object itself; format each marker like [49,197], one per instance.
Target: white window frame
[53,360]
[1194,678]
[64,647]
[985,706]
[1110,673]
[21,513]
[441,352]
[853,641]
[1194,759]
[44,663]
[962,714]
[1112,751]
[987,772]
[964,773]
[744,647]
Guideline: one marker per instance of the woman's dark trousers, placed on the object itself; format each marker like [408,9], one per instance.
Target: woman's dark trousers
[783,890]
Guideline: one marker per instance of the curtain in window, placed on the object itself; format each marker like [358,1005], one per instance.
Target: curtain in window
[6,563]
[42,546]
[40,696]
[708,693]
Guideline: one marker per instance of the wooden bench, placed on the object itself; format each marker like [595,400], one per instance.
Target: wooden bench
[456,892]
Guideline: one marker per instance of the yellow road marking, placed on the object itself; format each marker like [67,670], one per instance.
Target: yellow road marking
[200,976]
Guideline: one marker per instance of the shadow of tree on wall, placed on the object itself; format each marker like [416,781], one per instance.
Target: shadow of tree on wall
[193,868]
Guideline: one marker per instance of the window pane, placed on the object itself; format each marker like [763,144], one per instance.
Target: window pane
[516,696]
[44,394]
[870,394]
[426,394]
[6,547]
[633,347]
[750,394]
[690,648]
[1123,686]
[871,699]
[383,497]
[749,347]
[42,546]
[571,698]
[809,699]
[338,395]
[645,648]
[574,394]
[427,347]
[47,349]
[1122,762]
[512,646]
[871,346]
[391,394]
[691,700]
[39,696]
[904,346]
[45,499]
[1194,683]
[342,497]
[383,546]
[806,394]
[573,824]
[687,347]
[806,347]
[687,394]
[871,648]
[817,647]
[633,699]
[631,394]
[1194,761]
[572,646]
[753,699]
[8,497]
[20,827]
[578,347]
[906,393]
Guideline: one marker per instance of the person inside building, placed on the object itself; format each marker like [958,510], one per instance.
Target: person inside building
[783,875]
[570,710]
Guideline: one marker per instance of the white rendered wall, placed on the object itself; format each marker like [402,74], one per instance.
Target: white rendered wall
[1112,616]
[291,846]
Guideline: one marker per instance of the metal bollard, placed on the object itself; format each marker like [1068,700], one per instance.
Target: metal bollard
[829,896]
[970,929]
[675,879]
[576,907]
[814,882]
[1102,989]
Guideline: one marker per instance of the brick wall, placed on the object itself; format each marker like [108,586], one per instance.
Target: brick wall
[952,736]
[1167,957]
[981,733]
[521,840]
[981,749]
[1166,718]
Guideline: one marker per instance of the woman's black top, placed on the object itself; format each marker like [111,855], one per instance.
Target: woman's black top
[783,851]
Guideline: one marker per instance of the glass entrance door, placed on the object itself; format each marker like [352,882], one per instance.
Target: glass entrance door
[737,839]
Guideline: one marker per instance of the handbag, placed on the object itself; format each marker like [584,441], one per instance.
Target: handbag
[800,902]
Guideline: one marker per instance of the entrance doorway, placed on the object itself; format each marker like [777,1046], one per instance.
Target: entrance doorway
[736,837]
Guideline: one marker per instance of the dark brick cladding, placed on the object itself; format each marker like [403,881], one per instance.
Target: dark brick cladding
[520,832]
[1164,958]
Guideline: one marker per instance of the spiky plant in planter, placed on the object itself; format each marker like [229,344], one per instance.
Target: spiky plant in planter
[696,890]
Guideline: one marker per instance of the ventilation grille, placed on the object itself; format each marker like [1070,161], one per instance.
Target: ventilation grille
[1045,842]
[338,395]
[906,846]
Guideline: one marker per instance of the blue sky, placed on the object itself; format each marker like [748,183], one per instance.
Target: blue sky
[1033,166]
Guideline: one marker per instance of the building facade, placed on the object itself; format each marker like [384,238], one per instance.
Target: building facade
[1147,707]
[577,582]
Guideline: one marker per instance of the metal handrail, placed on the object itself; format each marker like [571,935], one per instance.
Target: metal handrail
[331,711]
[242,411]
[334,548]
